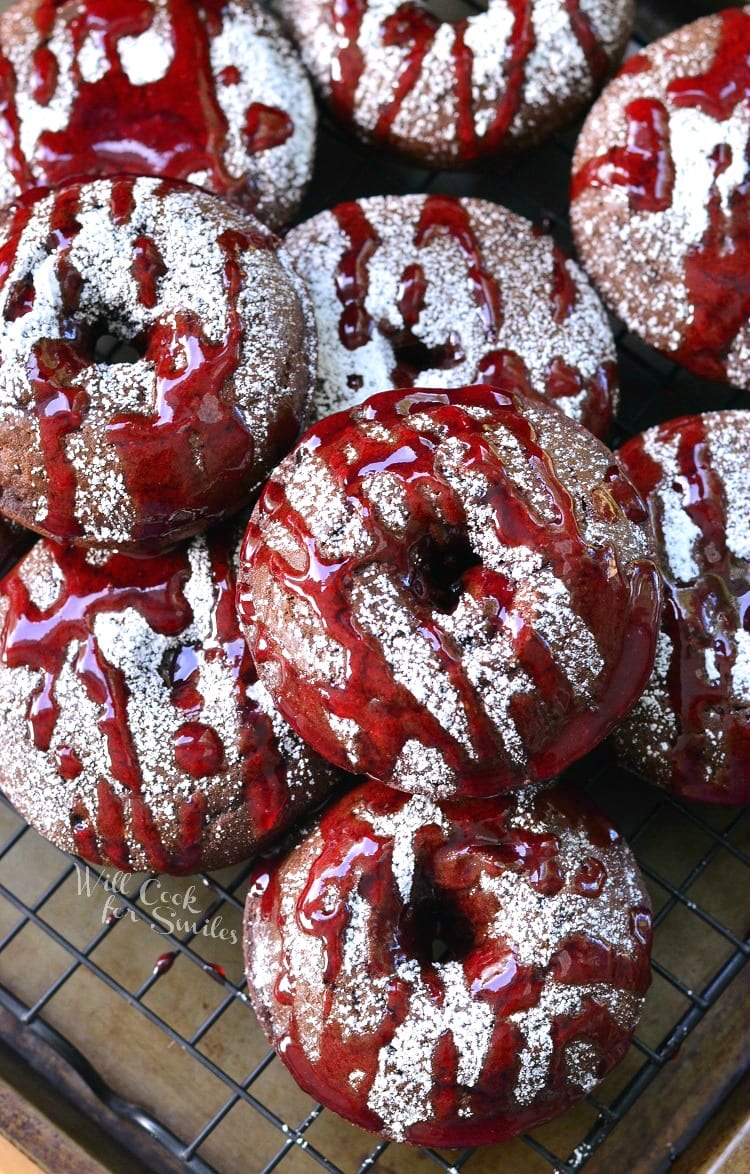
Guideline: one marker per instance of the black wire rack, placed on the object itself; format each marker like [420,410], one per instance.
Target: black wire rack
[67,941]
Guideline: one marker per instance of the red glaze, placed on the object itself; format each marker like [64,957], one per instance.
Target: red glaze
[196,429]
[164,963]
[448,216]
[303,900]
[717,268]
[703,615]
[171,127]
[433,564]
[644,166]
[154,587]
[411,27]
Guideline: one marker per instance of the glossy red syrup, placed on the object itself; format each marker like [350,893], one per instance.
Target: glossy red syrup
[171,127]
[193,414]
[644,166]
[717,271]
[42,640]
[697,616]
[164,963]
[412,28]
[356,327]
[587,38]
[554,728]
[447,904]
[446,216]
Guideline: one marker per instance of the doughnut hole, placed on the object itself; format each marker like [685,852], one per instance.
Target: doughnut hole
[109,347]
[437,564]
[437,929]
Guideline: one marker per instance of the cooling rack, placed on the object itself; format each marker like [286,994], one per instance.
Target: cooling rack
[135,987]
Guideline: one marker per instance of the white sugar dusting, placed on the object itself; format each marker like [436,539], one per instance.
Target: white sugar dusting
[522,264]
[185,228]
[402,827]
[441,1001]
[555,75]
[637,256]
[249,40]
[401,1093]
[147,57]
[139,656]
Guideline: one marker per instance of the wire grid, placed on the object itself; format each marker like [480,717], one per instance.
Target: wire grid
[653,389]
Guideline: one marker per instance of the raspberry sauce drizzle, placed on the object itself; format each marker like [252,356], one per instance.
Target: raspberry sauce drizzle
[644,166]
[191,416]
[116,126]
[717,271]
[716,267]
[42,640]
[581,24]
[412,27]
[595,592]
[699,617]
[355,868]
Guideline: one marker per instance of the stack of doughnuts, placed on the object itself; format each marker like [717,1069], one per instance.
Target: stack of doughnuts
[367,653]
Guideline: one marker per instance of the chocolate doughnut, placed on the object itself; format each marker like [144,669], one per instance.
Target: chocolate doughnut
[208,91]
[450,590]
[432,291]
[447,93]
[143,453]
[660,196]
[135,731]
[541,910]
[690,731]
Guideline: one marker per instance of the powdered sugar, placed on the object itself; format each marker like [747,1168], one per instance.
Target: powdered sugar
[390,1057]
[424,117]
[125,642]
[520,262]
[249,40]
[184,227]
[637,255]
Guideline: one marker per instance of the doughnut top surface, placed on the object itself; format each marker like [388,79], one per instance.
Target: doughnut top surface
[148,451]
[432,291]
[690,731]
[450,584]
[542,923]
[447,93]
[135,729]
[208,91]
[661,202]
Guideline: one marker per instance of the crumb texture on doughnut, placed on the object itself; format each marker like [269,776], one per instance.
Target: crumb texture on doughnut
[225,358]
[543,924]
[432,291]
[135,730]
[690,732]
[210,92]
[450,585]
[660,197]
[446,94]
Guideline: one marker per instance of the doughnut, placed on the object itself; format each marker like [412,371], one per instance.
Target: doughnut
[541,924]
[208,91]
[135,731]
[690,731]
[433,291]
[660,199]
[446,94]
[451,592]
[147,451]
